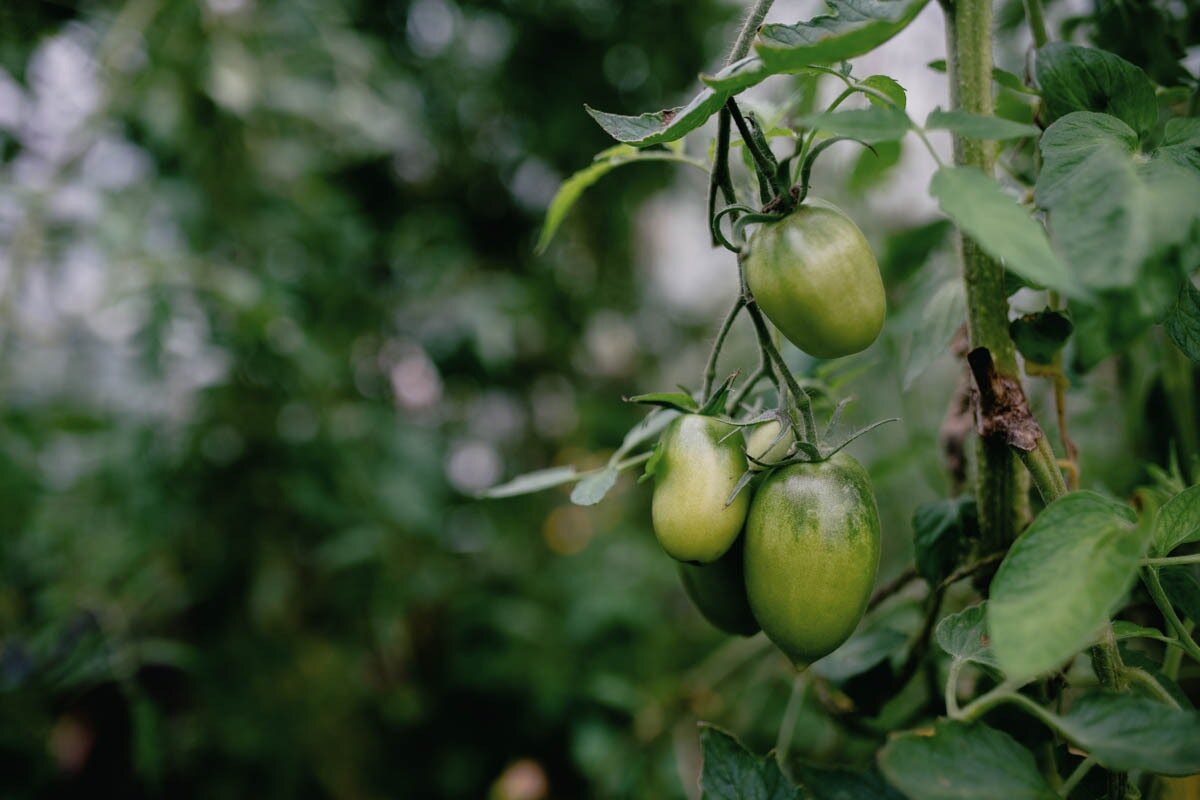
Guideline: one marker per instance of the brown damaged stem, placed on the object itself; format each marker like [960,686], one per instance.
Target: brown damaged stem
[1002,415]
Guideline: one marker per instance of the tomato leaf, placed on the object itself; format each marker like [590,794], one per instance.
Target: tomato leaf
[1132,732]
[964,636]
[962,761]
[533,482]
[1177,522]
[977,126]
[1181,142]
[942,531]
[855,27]
[1183,589]
[944,313]
[731,772]
[824,783]
[1001,227]
[591,490]
[870,645]
[1074,78]
[1183,321]
[573,187]
[1111,210]
[1061,581]
[679,401]
[870,125]
[1041,335]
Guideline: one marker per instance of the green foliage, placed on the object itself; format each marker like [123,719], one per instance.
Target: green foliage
[964,636]
[958,762]
[942,534]
[1040,336]
[1061,581]
[1000,226]
[732,773]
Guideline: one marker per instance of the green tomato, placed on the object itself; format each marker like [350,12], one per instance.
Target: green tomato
[814,276]
[694,475]
[812,553]
[765,444]
[718,591]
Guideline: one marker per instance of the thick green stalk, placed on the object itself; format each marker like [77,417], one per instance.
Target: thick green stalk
[969,61]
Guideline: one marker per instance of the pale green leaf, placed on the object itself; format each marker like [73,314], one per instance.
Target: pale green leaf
[1177,522]
[977,126]
[1061,581]
[1001,227]
[853,28]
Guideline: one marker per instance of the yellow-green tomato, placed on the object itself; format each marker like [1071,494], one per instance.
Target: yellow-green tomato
[815,277]
[718,591]
[812,553]
[764,443]
[698,467]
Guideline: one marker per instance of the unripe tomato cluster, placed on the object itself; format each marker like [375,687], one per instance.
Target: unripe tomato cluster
[796,557]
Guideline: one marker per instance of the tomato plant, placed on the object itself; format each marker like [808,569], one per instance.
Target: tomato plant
[1030,597]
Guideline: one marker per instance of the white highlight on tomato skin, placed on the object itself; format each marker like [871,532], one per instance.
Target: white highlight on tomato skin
[693,481]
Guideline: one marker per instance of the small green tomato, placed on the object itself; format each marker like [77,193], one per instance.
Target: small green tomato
[698,466]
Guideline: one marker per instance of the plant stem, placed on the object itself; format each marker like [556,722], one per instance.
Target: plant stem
[721,180]
[1037,22]
[787,725]
[764,162]
[1076,776]
[1111,671]
[1154,586]
[952,709]
[969,65]
[1170,561]
[1147,682]
[710,370]
[1043,468]
[807,423]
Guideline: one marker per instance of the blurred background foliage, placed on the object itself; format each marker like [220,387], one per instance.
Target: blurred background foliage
[269,318]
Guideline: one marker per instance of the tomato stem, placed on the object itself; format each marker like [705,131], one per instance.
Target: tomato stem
[710,370]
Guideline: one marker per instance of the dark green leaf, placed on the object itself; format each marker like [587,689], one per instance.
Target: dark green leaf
[1183,589]
[824,783]
[906,251]
[1177,522]
[1041,335]
[1061,581]
[591,490]
[977,126]
[941,535]
[533,482]
[1181,142]
[963,762]
[1110,210]
[964,636]
[1074,78]
[680,401]
[1183,321]
[1001,227]
[855,27]
[870,125]
[1132,732]
[1111,321]
[869,646]
[730,772]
